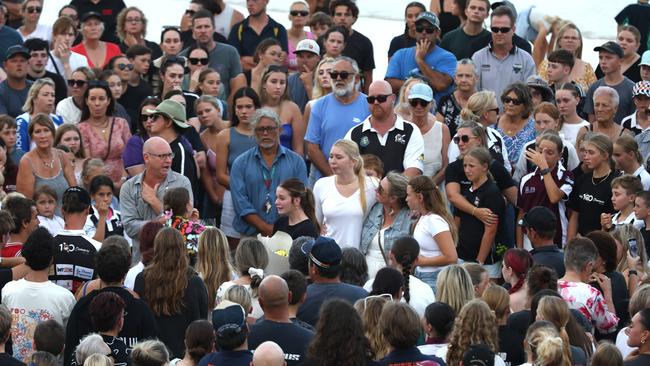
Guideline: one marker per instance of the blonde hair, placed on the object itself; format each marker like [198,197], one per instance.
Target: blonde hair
[239,295]
[149,353]
[629,144]
[32,94]
[454,287]
[351,149]
[403,108]
[370,311]
[213,261]
[121,21]
[317,91]
[544,345]
[479,103]
[623,234]
[98,359]
[474,324]
[607,354]
[640,299]
[556,311]
[498,300]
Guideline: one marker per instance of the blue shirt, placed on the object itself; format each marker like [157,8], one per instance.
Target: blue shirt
[22,135]
[403,63]
[8,37]
[318,293]
[230,358]
[253,184]
[12,100]
[330,120]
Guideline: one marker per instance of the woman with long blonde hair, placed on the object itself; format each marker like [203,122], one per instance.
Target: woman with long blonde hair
[556,311]
[344,199]
[213,261]
[370,311]
[454,287]
[544,346]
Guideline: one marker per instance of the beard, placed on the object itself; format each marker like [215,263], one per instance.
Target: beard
[344,91]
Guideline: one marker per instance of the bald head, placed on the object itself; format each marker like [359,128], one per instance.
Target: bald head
[268,354]
[273,292]
[156,145]
[380,87]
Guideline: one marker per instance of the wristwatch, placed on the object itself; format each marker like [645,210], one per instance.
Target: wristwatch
[632,272]
[544,171]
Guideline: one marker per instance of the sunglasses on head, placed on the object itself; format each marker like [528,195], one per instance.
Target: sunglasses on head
[463,138]
[514,101]
[302,13]
[420,29]
[34,9]
[123,67]
[379,98]
[78,83]
[197,60]
[417,101]
[343,74]
[500,29]
[190,12]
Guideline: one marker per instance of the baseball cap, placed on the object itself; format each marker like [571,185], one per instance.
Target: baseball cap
[325,253]
[610,47]
[539,218]
[308,45]
[645,58]
[17,50]
[78,193]
[641,88]
[507,4]
[228,318]
[91,14]
[172,110]
[429,17]
[421,91]
[478,355]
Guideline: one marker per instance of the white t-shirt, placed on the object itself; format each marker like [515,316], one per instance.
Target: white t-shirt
[76,61]
[69,111]
[42,31]
[31,303]
[427,227]
[129,281]
[53,225]
[342,216]
[570,130]
[421,294]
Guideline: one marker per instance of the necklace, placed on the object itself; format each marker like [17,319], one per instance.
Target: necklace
[48,164]
[602,179]
[100,127]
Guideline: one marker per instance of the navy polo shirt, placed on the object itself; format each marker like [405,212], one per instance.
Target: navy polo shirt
[551,256]
[245,39]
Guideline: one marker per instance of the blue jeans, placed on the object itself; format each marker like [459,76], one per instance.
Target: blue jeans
[429,278]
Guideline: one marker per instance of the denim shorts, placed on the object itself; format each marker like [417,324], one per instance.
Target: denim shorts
[429,278]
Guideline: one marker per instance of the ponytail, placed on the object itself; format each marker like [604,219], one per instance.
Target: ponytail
[297,189]
[550,352]
[406,250]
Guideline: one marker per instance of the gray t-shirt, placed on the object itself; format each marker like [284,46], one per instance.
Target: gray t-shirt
[225,59]
[625,103]
[12,100]
[297,92]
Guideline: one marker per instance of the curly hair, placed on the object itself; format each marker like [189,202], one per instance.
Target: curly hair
[339,338]
[121,21]
[475,324]
[370,310]
[167,276]
[213,261]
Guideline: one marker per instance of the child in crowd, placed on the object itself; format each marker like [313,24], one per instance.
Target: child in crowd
[373,166]
[642,215]
[182,216]
[624,191]
[46,198]
[8,134]
[103,221]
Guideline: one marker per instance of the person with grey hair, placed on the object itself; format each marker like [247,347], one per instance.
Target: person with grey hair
[89,345]
[606,102]
[331,116]
[388,219]
[449,107]
[580,255]
[268,354]
[256,174]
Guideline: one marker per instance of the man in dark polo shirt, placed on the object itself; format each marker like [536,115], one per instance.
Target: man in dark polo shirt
[539,224]
[397,143]
[247,34]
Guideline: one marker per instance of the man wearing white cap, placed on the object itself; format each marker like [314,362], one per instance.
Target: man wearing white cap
[301,83]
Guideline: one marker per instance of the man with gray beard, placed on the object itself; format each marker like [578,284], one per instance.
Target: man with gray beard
[333,115]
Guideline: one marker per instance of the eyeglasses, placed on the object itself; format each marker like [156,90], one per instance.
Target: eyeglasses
[76,83]
[420,29]
[464,138]
[133,20]
[34,9]
[163,156]
[417,101]
[190,12]
[123,67]
[197,60]
[514,101]
[388,297]
[343,74]
[380,98]
[264,130]
[500,29]
[302,13]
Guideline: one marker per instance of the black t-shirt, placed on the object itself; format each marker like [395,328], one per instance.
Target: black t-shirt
[450,111]
[7,360]
[399,42]
[359,47]
[230,358]
[292,338]
[303,228]
[6,276]
[456,174]
[471,229]
[511,347]
[641,360]
[74,259]
[118,349]
[131,100]
[60,86]
[637,15]
[551,256]
[461,44]
[633,72]
[591,200]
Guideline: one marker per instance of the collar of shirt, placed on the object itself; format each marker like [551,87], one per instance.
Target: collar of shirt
[399,124]
[512,51]
[545,248]
[281,152]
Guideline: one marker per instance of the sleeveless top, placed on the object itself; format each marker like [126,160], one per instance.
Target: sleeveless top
[58,183]
[239,143]
[286,136]
[432,150]
[223,20]
[212,164]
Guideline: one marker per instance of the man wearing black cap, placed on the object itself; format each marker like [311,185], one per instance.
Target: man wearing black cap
[325,270]
[108,10]
[14,90]
[8,36]
[74,252]
[610,55]
[540,225]
[231,332]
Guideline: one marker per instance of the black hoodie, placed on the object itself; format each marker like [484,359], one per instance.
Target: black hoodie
[139,322]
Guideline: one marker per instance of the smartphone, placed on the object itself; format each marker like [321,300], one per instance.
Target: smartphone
[634,249]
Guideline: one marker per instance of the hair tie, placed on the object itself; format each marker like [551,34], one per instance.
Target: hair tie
[256,272]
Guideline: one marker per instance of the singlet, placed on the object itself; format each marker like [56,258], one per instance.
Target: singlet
[223,20]
[286,136]
[58,183]
[590,128]
[212,163]
[239,143]
[432,150]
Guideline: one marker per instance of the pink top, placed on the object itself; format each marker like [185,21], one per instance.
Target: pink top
[112,50]
[98,147]
[292,60]
[589,301]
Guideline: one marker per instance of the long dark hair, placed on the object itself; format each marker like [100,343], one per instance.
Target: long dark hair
[97,84]
[152,100]
[297,189]
[413,4]
[241,93]
[406,250]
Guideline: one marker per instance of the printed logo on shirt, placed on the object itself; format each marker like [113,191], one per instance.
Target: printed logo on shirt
[365,141]
[291,357]
[64,269]
[70,248]
[83,272]
[356,120]
[477,201]
[485,67]
[517,68]
[590,198]
[67,284]
[400,138]
[529,190]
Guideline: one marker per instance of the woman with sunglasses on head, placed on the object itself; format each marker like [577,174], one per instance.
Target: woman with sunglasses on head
[69,135]
[31,28]
[299,16]
[268,52]
[515,124]
[97,52]
[275,96]
[70,107]
[132,29]
[104,135]
[197,61]
[334,41]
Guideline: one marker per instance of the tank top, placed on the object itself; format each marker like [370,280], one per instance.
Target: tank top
[212,164]
[239,143]
[432,150]
[286,136]
[223,20]
[58,183]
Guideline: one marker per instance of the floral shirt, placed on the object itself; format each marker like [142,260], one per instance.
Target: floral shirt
[514,144]
[589,301]
[190,231]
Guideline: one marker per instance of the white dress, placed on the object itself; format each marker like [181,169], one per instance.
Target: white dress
[374,258]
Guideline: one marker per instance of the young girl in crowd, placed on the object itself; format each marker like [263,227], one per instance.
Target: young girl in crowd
[104,221]
[45,199]
[556,311]
[567,98]
[624,190]
[516,263]
[628,159]
[295,204]
[544,346]
[498,300]
[454,286]
[642,213]
[476,240]
[69,135]
[370,311]
[438,322]
[213,261]
[184,218]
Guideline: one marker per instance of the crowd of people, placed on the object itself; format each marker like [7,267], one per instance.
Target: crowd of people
[485,202]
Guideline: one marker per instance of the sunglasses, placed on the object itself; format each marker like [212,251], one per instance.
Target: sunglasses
[421,102]
[514,101]
[343,74]
[263,130]
[378,98]
[302,13]
[495,110]
[76,83]
[388,297]
[34,9]
[420,29]
[500,29]
[196,60]
[463,138]
[123,67]
[190,12]
[146,117]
